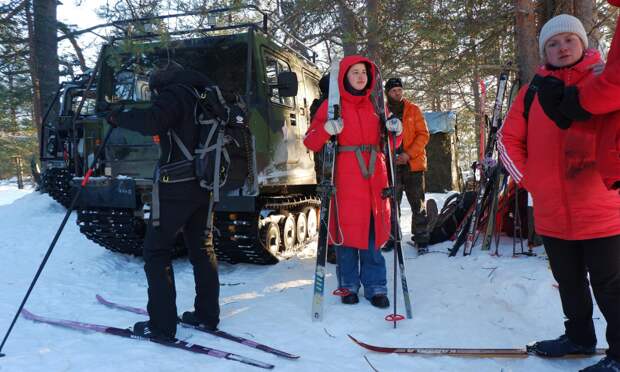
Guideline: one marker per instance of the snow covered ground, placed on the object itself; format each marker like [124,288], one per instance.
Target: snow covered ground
[474,301]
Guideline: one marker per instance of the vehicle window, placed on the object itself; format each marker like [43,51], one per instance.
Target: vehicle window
[273,68]
[129,86]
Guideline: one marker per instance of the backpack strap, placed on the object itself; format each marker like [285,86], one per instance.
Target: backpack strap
[532,89]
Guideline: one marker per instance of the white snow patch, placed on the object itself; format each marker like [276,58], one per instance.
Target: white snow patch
[474,301]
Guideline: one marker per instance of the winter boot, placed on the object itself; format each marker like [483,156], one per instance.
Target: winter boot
[604,365]
[380,300]
[146,330]
[189,317]
[560,347]
[350,299]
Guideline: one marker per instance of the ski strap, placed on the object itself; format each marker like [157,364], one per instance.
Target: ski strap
[372,149]
[532,89]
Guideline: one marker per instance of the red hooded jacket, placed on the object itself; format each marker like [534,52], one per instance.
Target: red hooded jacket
[558,167]
[356,197]
[601,97]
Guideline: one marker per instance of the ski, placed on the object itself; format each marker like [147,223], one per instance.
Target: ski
[217,332]
[496,187]
[463,352]
[127,333]
[326,190]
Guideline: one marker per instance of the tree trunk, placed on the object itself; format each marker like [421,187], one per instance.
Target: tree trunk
[372,14]
[44,56]
[526,40]
[584,10]
[347,21]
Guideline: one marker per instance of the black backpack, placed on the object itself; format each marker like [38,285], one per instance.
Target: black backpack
[452,214]
[222,158]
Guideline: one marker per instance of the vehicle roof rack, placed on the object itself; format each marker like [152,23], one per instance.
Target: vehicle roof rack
[300,48]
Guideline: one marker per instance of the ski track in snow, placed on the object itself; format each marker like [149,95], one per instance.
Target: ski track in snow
[474,301]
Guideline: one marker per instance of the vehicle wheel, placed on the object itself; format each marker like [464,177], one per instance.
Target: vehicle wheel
[288,232]
[271,238]
[302,226]
[312,222]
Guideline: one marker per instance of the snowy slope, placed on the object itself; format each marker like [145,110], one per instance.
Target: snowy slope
[474,301]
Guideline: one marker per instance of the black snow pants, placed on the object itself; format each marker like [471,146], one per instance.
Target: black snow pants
[571,261]
[188,217]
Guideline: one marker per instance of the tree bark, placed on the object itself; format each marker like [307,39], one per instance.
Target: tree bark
[34,76]
[372,14]
[347,21]
[45,52]
[584,10]
[526,39]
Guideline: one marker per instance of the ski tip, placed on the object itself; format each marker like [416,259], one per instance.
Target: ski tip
[26,314]
[2,355]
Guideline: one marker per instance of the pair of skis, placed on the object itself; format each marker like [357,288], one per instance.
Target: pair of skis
[176,343]
[491,170]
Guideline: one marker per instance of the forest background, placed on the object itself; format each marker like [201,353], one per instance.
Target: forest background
[448,52]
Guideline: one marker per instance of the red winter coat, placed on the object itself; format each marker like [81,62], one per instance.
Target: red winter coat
[601,97]
[356,197]
[558,166]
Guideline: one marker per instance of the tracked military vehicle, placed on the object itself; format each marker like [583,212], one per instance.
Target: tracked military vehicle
[276,210]
[62,135]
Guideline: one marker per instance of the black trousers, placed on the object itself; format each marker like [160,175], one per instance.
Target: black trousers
[412,184]
[571,261]
[190,219]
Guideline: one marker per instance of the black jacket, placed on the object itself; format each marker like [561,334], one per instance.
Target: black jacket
[173,108]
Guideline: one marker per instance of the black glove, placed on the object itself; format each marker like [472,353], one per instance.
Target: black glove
[550,94]
[570,106]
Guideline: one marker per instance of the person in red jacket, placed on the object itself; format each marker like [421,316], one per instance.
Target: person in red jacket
[579,219]
[599,97]
[360,217]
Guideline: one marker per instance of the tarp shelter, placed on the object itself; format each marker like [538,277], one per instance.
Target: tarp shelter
[442,174]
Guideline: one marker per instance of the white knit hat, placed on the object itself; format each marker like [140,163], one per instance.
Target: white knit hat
[557,25]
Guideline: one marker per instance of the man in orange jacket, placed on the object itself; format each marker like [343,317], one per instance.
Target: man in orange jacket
[411,159]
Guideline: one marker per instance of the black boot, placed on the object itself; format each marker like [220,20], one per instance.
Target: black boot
[380,300]
[560,347]
[350,299]
[189,317]
[146,330]
[604,365]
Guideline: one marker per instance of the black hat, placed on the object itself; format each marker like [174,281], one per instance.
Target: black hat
[393,83]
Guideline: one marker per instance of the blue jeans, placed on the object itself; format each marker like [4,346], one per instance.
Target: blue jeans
[367,266]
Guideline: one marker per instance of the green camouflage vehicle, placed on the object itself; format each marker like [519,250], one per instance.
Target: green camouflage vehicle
[276,210]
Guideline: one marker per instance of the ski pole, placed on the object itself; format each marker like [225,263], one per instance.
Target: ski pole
[58,232]
[398,253]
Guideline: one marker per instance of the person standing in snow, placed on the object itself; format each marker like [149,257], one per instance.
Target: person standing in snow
[554,158]
[411,159]
[360,217]
[183,206]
